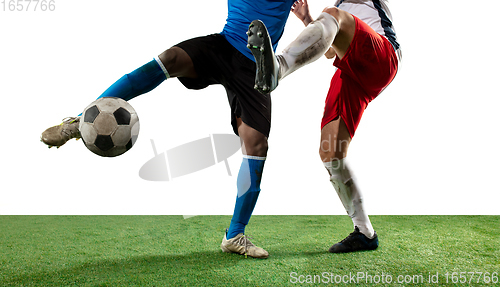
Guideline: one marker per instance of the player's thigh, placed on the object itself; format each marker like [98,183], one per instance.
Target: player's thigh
[347,28]
[178,63]
[335,140]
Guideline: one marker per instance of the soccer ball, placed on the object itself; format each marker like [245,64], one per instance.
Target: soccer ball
[109,126]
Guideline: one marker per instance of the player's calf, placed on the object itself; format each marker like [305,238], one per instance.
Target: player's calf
[344,184]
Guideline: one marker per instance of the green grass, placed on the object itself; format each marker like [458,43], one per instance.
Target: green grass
[172,251]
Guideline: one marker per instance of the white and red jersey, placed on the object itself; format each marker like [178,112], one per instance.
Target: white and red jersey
[376,14]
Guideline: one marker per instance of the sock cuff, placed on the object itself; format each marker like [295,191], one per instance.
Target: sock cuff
[339,170]
[329,20]
[254,157]
[158,61]
[334,164]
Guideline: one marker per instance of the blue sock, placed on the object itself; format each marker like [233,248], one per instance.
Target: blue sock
[248,184]
[138,82]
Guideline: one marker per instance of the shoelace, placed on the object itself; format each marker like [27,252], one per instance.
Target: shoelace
[352,234]
[247,242]
[69,120]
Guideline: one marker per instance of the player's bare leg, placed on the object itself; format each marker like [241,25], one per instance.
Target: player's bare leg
[174,62]
[335,140]
[178,63]
[253,142]
[347,27]
[254,148]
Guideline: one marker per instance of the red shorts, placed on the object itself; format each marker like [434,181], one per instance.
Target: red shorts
[368,66]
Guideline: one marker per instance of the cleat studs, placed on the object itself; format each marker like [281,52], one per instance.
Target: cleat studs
[251,25]
[249,46]
[256,87]
[262,49]
[249,33]
[259,34]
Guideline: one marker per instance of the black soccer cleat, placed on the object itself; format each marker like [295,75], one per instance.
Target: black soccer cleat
[356,241]
[259,43]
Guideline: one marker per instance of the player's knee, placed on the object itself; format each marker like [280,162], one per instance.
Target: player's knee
[170,59]
[177,62]
[258,148]
[255,146]
[326,155]
[344,19]
[326,150]
[334,11]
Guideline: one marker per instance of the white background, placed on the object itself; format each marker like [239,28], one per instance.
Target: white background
[427,145]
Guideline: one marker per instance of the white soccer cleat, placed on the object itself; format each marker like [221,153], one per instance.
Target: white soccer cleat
[242,245]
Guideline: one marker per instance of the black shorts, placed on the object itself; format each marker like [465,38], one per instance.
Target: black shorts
[218,62]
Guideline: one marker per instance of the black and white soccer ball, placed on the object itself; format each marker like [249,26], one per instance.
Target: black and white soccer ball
[109,126]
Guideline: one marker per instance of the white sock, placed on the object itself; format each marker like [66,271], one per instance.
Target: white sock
[343,182]
[310,45]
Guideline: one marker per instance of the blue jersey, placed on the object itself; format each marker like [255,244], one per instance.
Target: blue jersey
[274,13]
